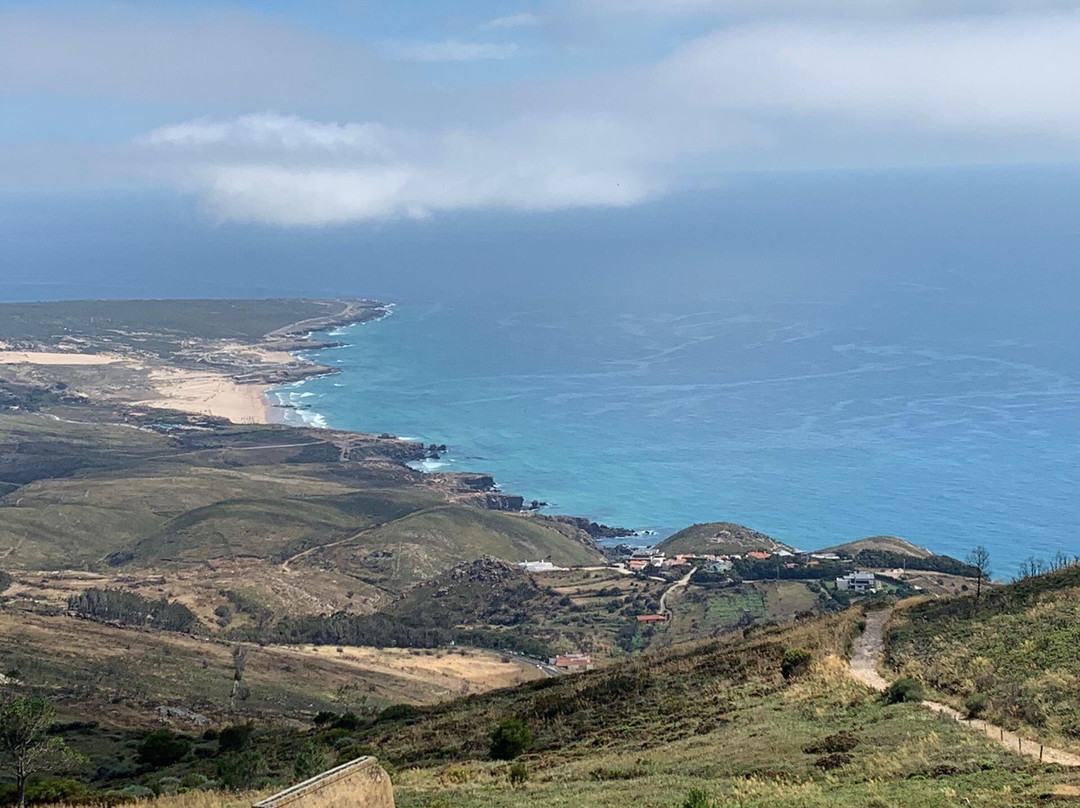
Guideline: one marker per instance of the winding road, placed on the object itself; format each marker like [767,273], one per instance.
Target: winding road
[866,654]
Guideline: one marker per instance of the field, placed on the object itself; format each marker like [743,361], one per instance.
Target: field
[123,675]
[1017,648]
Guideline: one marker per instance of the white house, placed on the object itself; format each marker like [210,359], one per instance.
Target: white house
[856,582]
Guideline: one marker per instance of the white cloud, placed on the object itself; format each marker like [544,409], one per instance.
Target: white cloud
[450,50]
[287,171]
[523,19]
[981,79]
[804,9]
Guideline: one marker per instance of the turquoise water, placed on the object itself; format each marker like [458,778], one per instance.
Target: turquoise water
[812,421]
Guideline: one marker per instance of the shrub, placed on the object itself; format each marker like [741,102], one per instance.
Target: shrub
[398,712]
[313,759]
[510,739]
[834,761]
[903,690]
[323,717]
[519,774]
[55,789]
[235,738]
[194,780]
[697,798]
[138,792]
[840,742]
[457,775]
[795,663]
[240,770]
[975,705]
[162,748]
[167,785]
[347,721]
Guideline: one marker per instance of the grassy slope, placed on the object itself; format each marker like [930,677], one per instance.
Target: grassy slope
[719,538]
[90,492]
[423,544]
[120,675]
[717,717]
[890,544]
[1019,647]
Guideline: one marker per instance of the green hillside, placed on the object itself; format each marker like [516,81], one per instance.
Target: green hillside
[719,538]
[1018,646]
[888,544]
[103,496]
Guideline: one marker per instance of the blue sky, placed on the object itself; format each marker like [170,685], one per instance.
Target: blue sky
[338,112]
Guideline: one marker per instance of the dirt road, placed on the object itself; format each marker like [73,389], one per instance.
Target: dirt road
[865,655]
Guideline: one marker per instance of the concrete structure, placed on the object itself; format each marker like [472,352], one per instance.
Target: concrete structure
[539,566]
[361,783]
[857,582]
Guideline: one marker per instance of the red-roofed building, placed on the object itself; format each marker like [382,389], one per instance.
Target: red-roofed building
[652,618]
[758,555]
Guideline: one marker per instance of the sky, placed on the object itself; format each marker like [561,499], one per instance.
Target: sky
[329,113]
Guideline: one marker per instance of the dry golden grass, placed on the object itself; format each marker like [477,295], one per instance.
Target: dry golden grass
[199,799]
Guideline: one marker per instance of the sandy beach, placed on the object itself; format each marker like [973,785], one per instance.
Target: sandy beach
[210,394]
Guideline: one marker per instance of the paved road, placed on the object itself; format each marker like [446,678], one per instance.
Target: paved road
[866,654]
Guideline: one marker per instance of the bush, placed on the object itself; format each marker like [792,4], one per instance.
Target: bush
[167,785]
[697,798]
[313,759]
[519,774]
[904,690]
[240,770]
[975,705]
[795,663]
[840,742]
[235,738]
[834,761]
[323,717]
[138,792]
[162,748]
[398,712]
[510,739]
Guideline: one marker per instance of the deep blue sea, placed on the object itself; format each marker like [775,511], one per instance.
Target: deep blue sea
[812,427]
[821,356]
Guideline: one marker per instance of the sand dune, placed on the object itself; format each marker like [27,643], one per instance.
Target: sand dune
[209,394]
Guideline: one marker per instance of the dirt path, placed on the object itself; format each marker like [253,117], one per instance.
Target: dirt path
[679,583]
[866,652]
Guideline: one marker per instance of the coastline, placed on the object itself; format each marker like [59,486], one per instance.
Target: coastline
[224,378]
[277,411]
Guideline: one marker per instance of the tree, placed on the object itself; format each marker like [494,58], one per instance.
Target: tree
[510,739]
[24,740]
[979,558]
[162,748]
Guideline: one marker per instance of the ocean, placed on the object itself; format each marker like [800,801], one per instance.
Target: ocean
[812,427]
[822,357]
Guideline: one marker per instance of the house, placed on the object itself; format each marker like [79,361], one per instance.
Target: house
[758,555]
[539,566]
[637,564]
[573,662]
[720,565]
[856,582]
[652,618]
